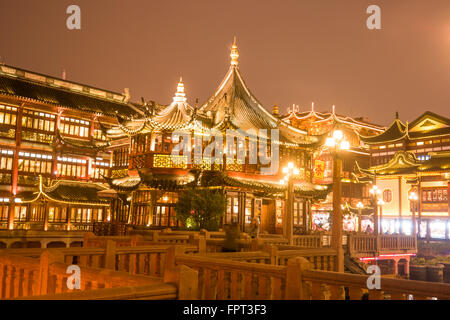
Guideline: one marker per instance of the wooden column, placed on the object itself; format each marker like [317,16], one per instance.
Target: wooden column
[69,218]
[15,165]
[45,215]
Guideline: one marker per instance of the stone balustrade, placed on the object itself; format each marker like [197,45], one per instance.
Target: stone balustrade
[364,244]
[321,259]
[224,279]
[22,276]
[146,260]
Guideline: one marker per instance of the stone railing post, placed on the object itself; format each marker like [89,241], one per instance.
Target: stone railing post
[205,233]
[193,239]
[135,239]
[110,255]
[273,252]
[202,244]
[295,286]
[155,236]
[186,281]
[257,244]
[47,258]
[171,253]
[86,237]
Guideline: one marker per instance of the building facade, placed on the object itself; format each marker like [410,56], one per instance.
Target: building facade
[75,156]
[412,158]
[54,155]
[354,191]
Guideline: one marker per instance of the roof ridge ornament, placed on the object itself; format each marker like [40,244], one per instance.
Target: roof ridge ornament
[180,96]
[234,53]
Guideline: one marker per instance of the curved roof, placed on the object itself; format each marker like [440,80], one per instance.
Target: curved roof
[44,89]
[396,131]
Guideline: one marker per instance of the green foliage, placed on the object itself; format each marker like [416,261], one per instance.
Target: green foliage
[201,208]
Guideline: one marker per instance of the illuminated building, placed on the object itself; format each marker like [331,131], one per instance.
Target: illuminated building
[150,181]
[407,158]
[53,151]
[354,191]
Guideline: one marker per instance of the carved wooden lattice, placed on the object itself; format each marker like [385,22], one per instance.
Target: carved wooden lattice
[169,161]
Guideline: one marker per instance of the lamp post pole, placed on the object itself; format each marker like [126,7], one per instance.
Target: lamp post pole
[360,206]
[336,226]
[290,208]
[337,143]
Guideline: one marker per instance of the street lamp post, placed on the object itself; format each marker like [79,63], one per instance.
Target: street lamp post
[375,192]
[360,206]
[337,143]
[288,229]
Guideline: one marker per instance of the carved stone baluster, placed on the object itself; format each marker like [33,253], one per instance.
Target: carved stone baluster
[355,293]
[316,291]
[8,274]
[262,288]
[59,284]
[206,294]
[337,293]
[132,264]
[248,286]
[153,264]
[276,289]
[17,281]
[234,295]
[221,284]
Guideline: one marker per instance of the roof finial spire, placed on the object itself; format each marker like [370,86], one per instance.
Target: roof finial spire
[312,106]
[180,96]
[334,109]
[234,53]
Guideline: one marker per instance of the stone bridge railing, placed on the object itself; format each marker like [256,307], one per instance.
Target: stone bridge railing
[362,244]
[224,279]
[46,278]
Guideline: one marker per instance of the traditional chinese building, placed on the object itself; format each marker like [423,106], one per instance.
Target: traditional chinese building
[353,190]
[53,151]
[412,157]
[147,177]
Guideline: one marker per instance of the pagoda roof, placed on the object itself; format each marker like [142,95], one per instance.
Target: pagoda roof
[68,192]
[405,162]
[35,87]
[83,144]
[213,179]
[233,106]
[319,117]
[428,125]
[396,131]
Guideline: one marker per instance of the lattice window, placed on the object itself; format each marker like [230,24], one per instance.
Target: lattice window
[169,161]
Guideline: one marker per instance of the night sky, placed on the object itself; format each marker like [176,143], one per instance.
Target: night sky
[298,51]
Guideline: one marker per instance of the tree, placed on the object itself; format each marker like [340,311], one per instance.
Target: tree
[201,208]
